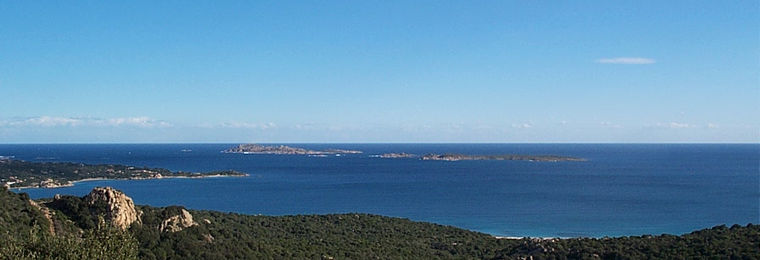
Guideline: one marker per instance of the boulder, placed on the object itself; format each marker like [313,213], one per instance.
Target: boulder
[177,222]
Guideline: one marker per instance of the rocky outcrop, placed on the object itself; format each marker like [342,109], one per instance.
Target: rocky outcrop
[47,214]
[178,222]
[208,238]
[120,209]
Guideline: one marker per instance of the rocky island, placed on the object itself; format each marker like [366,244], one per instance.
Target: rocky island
[23,174]
[283,149]
[397,155]
[507,157]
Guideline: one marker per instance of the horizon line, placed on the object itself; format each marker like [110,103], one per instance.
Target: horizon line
[99,143]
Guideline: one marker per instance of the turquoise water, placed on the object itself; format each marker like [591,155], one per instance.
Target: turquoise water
[624,189]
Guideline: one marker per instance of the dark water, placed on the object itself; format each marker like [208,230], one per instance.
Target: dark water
[624,189]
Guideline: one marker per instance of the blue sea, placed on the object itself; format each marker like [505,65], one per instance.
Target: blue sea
[623,189]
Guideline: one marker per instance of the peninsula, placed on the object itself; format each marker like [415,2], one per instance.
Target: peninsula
[23,174]
[506,157]
[283,149]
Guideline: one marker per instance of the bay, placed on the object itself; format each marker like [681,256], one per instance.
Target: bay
[623,189]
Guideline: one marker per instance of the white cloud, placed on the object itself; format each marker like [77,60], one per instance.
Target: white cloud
[626,60]
[134,121]
[46,121]
[610,125]
[522,126]
[482,127]
[261,126]
[675,125]
[306,126]
[50,121]
[712,126]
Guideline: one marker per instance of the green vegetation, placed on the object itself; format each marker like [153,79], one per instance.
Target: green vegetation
[361,236]
[26,233]
[736,242]
[17,173]
[100,243]
[341,236]
[17,216]
[80,233]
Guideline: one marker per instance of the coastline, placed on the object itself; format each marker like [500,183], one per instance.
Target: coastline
[530,238]
[531,176]
[72,183]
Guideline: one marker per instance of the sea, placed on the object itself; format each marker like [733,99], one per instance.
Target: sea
[621,190]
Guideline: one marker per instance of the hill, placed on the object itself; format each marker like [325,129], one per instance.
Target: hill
[72,227]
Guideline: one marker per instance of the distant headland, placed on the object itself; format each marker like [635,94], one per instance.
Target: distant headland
[23,174]
[464,157]
[396,155]
[505,157]
[283,149]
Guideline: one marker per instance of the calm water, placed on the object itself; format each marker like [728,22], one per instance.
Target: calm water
[622,190]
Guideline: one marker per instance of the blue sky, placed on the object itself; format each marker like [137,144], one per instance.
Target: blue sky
[379,71]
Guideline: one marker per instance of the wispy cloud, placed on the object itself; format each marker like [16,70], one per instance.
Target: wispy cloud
[626,60]
[610,125]
[675,125]
[134,121]
[52,121]
[522,125]
[246,125]
[48,121]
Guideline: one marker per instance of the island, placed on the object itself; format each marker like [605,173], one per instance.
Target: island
[283,149]
[506,157]
[24,174]
[396,155]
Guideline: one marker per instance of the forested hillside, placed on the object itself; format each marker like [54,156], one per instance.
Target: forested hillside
[81,229]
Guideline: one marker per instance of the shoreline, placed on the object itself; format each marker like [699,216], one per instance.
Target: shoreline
[72,183]
[530,238]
